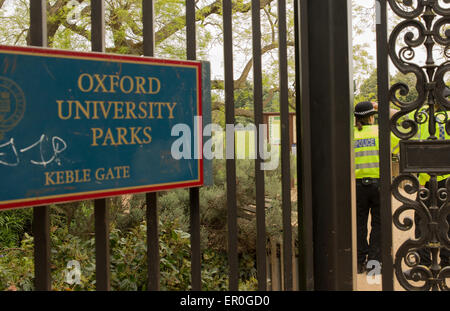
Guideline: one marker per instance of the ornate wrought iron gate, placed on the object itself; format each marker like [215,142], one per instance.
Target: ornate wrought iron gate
[423,150]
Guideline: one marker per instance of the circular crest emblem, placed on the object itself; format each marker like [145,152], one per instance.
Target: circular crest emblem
[12,105]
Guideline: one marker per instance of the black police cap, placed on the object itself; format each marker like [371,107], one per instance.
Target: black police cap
[364,109]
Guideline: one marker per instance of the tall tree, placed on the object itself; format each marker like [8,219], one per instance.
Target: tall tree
[69,28]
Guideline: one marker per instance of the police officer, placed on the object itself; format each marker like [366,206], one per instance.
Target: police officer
[367,173]
[441,134]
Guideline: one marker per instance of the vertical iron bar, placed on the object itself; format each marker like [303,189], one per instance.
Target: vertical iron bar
[41,234]
[230,163]
[148,17]
[38,23]
[385,149]
[101,208]
[304,174]
[190,30]
[98,25]
[259,173]
[194,193]
[41,214]
[196,280]
[153,258]
[285,146]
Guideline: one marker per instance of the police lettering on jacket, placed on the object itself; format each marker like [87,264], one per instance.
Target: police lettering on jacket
[368,142]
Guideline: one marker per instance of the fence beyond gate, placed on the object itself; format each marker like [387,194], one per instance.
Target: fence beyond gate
[41,222]
[325,178]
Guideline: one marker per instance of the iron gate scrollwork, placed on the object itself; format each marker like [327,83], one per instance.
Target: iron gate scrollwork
[424,24]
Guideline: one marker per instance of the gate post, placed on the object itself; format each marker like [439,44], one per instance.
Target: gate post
[330,105]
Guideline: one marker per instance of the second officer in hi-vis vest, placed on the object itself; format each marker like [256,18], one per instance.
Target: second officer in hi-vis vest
[441,134]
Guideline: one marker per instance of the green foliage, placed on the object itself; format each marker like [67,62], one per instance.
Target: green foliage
[410,80]
[128,261]
[174,206]
[72,231]
[368,90]
[72,238]
[13,225]
[17,266]
[13,27]
[362,64]
[67,247]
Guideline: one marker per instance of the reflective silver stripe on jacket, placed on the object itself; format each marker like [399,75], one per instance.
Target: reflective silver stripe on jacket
[366,153]
[367,165]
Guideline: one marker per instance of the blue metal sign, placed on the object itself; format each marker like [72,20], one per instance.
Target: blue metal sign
[87,125]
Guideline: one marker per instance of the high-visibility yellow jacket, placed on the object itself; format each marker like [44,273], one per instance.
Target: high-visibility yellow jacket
[366,145]
[441,134]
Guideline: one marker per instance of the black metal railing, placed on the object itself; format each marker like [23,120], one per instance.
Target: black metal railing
[41,223]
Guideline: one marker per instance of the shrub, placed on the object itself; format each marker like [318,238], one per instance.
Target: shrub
[72,237]
[17,266]
[13,225]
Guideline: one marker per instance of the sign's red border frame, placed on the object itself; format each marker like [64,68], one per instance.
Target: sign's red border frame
[21,203]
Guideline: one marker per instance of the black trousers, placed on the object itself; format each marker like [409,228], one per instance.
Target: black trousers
[368,201]
[425,253]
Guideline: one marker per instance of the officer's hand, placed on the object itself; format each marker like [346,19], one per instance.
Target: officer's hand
[375,105]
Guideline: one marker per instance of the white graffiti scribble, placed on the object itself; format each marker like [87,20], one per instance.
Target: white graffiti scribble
[10,144]
[10,150]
